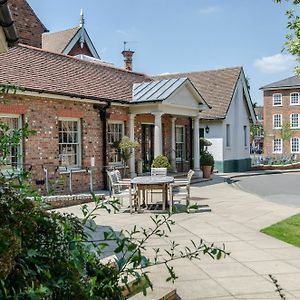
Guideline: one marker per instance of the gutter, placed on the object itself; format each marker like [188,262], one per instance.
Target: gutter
[7,23]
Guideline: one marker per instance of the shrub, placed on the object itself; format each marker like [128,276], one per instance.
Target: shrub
[207,159]
[161,161]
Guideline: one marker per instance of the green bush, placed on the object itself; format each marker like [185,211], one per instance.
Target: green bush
[207,159]
[161,161]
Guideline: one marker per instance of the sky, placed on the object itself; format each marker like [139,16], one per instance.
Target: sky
[170,36]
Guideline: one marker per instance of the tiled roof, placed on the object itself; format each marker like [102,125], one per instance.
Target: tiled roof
[58,41]
[215,86]
[39,70]
[285,83]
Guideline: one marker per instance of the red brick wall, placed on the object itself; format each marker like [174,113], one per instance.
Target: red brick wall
[29,27]
[42,149]
[286,110]
[76,50]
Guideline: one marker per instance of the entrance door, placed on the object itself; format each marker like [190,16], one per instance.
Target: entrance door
[147,146]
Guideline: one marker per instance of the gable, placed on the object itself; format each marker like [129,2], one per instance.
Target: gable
[76,50]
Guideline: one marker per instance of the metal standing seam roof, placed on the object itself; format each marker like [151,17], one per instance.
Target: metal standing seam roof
[158,90]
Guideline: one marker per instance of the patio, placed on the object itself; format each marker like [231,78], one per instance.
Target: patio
[235,220]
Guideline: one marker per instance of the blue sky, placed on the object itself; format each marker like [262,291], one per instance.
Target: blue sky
[179,36]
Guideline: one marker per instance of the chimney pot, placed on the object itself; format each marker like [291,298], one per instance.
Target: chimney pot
[128,59]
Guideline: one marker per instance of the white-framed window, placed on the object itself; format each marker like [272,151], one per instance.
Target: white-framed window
[294,98]
[180,143]
[277,121]
[115,133]
[69,141]
[228,142]
[277,146]
[245,136]
[13,159]
[295,145]
[294,120]
[277,99]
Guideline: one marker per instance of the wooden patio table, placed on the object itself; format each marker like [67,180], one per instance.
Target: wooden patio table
[144,183]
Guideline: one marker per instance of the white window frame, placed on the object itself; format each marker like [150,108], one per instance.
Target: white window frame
[274,96]
[8,169]
[228,135]
[79,154]
[280,126]
[291,98]
[183,158]
[273,146]
[291,142]
[291,120]
[112,122]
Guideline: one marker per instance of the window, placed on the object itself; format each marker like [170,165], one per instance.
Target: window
[69,143]
[13,159]
[227,135]
[294,98]
[277,146]
[115,134]
[295,145]
[294,120]
[277,121]
[180,143]
[277,99]
[245,136]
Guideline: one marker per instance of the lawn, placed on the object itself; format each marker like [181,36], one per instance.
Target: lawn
[287,230]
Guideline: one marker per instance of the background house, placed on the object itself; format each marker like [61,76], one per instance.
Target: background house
[282,112]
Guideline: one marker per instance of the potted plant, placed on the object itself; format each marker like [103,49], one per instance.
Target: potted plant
[207,162]
[204,143]
[161,161]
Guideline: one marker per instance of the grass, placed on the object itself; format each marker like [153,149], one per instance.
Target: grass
[287,230]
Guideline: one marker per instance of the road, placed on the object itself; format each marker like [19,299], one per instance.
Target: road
[278,188]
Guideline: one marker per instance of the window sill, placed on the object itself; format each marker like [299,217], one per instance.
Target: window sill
[280,105]
[294,104]
[277,127]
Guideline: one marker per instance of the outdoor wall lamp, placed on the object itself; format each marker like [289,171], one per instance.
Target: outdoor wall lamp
[207,129]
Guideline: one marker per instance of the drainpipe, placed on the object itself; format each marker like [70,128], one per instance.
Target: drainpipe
[103,118]
[191,143]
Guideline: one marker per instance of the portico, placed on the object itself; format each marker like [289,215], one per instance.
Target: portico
[168,103]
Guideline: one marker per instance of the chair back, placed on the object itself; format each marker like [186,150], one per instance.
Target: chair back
[112,180]
[118,175]
[190,175]
[158,171]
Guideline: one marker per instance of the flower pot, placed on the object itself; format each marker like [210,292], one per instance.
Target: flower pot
[206,171]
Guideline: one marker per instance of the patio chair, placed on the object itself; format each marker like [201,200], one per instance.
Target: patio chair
[120,189]
[181,188]
[156,172]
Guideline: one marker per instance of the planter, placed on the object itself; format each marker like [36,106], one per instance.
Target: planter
[206,171]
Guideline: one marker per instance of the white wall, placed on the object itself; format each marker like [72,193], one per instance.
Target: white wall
[237,117]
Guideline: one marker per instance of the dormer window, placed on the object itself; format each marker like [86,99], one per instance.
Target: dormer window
[277,99]
[294,99]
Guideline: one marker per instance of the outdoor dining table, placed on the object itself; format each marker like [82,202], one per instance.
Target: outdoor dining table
[144,183]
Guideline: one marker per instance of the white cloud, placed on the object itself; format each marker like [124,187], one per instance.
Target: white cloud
[209,10]
[275,63]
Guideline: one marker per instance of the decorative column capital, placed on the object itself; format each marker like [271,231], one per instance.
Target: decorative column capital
[173,119]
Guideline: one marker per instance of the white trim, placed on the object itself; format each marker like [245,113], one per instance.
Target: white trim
[292,145]
[116,163]
[291,123]
[79,154]
[276,94]
[179,159]
[273,117]
[277,152]
[293,104]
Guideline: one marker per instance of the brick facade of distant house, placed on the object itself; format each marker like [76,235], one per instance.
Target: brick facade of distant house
[29,27]
[279,110]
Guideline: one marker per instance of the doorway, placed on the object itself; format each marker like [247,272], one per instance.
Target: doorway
[147,146]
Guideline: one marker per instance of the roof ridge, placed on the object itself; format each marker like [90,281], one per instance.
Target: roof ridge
[79,60]
[59,31]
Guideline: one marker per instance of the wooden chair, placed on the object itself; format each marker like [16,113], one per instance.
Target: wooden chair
[120,189]
[156,172]
[181,188]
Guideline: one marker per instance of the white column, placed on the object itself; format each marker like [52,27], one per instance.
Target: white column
[131,136]
[196,147]
[173,145]
[157,133]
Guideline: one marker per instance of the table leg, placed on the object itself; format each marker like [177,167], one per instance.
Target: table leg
[139,200]
[130,198]
[164,197]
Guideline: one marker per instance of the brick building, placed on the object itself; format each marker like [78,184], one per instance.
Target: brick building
[282,113]
[80,107]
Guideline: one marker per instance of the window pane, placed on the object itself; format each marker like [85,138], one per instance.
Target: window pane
[114,134]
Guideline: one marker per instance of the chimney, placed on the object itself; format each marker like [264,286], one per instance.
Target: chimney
[128,59]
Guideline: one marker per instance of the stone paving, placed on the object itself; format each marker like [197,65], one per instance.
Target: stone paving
[235,220]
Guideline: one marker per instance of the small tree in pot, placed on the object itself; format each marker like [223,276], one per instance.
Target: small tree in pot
[207,162]
[161,161]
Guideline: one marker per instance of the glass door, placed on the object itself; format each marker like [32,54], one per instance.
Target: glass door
[147,146]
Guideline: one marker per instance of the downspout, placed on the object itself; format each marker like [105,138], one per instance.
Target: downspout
[191,143]
[103,118]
